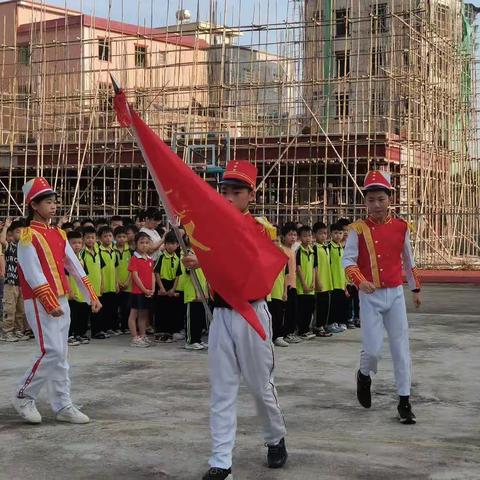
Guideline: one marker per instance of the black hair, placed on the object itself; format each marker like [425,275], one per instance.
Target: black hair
[88,231]
[153,213]
[16,224]
[140,215]
[86,220]
[116,218]
[104,229]
[101,221]
[304,228]
[170,237]
[131,227]
[31,211]
[119,231]
[343,222]
[318,226]
[74,234]
[336,227]
[67,225]
[141,235]
[127,221]
[288,227]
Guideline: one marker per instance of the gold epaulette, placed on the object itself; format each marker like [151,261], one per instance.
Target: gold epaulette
[357,226]
[270,230]
[26,236]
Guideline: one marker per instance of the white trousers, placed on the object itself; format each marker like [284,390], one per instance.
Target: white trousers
[385,309]
[51,366]
[235,350]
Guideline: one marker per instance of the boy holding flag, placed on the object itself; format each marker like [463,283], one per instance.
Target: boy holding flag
[241,283]
[235,350]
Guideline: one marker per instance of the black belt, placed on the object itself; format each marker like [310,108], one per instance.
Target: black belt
[219,302]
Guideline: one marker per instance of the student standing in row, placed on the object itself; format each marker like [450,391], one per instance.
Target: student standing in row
[93,268]
[306,272]
[143,288]
[124,281]
[324,279]
[108,299]
[79,309]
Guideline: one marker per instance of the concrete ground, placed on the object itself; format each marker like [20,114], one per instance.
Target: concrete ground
[150,409]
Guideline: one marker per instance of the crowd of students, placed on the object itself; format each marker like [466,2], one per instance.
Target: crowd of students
[136,271]
[312,296]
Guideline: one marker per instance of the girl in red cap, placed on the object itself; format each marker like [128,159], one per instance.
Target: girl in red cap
[43,256]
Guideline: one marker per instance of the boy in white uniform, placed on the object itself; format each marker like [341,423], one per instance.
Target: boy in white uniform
[375,250]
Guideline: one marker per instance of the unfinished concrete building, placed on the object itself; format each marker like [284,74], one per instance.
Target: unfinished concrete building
[315,98]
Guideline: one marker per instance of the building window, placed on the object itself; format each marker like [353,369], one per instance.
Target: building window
[140,56]
[23,95]
[342,26]
[161,58]
[379,13]
[378,104]
[442,13]
[105,97]
[315,96]
[24,56]
[342,62]
[379,61]
[140,100]
[104,49]
[342,105]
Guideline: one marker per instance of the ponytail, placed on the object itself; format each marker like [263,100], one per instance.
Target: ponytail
[30,214]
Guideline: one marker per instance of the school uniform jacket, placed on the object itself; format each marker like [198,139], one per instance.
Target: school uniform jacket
[376,252]
[43,257]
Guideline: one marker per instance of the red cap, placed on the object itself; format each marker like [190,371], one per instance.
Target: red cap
[377,179]
[35,187]
[241,173]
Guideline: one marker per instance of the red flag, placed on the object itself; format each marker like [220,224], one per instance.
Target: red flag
[239,262]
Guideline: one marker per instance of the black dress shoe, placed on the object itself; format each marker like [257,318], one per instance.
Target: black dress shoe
[277,455]
[363,390]
[405,414]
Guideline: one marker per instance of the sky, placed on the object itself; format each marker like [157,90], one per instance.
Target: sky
[160,12]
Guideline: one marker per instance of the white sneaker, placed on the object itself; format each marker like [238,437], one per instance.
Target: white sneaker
[9,337]
[27,409]
[293,339]
[205,344]
[21,336]
[178,337]
[72,414]
[139,342]
[341,326]
[73,342]
[280,342]
[194,346]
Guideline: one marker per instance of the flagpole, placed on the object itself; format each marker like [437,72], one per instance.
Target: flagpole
[169,213]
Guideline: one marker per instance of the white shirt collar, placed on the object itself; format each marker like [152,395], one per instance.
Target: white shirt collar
[136,254]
